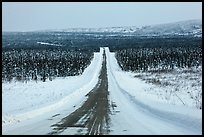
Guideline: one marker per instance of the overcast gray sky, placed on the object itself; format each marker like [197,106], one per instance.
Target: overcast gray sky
[28,16]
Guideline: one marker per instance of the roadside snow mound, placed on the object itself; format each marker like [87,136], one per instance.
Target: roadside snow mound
[22,101]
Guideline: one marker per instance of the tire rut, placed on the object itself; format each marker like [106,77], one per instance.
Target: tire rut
[93,115]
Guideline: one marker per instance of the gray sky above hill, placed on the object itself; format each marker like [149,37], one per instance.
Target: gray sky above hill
[29,16]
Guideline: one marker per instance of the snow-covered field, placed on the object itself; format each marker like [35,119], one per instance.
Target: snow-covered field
[140,111]
[177,87]
[23,101]
[137,107]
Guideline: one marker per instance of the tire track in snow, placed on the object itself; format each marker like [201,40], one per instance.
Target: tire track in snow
[93,116]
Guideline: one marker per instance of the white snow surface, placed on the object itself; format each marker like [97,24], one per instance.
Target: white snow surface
[140,113]
[23,101]
[45,43]
[31,108]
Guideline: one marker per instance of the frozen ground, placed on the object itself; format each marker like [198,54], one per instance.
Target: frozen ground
[136,106]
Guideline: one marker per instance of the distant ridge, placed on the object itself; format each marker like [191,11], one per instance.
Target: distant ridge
[179,28]
[187,27]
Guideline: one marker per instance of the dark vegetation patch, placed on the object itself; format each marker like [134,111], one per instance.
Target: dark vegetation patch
[24,57]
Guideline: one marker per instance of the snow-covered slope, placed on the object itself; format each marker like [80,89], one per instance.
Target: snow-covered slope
[189,27]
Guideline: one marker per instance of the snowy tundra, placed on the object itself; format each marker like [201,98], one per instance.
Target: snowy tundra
[32,108]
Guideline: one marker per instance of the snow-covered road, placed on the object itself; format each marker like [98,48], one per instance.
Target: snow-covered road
[131,110]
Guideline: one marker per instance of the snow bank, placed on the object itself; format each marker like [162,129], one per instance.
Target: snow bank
[137,108]
[23,101]
[138,88]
